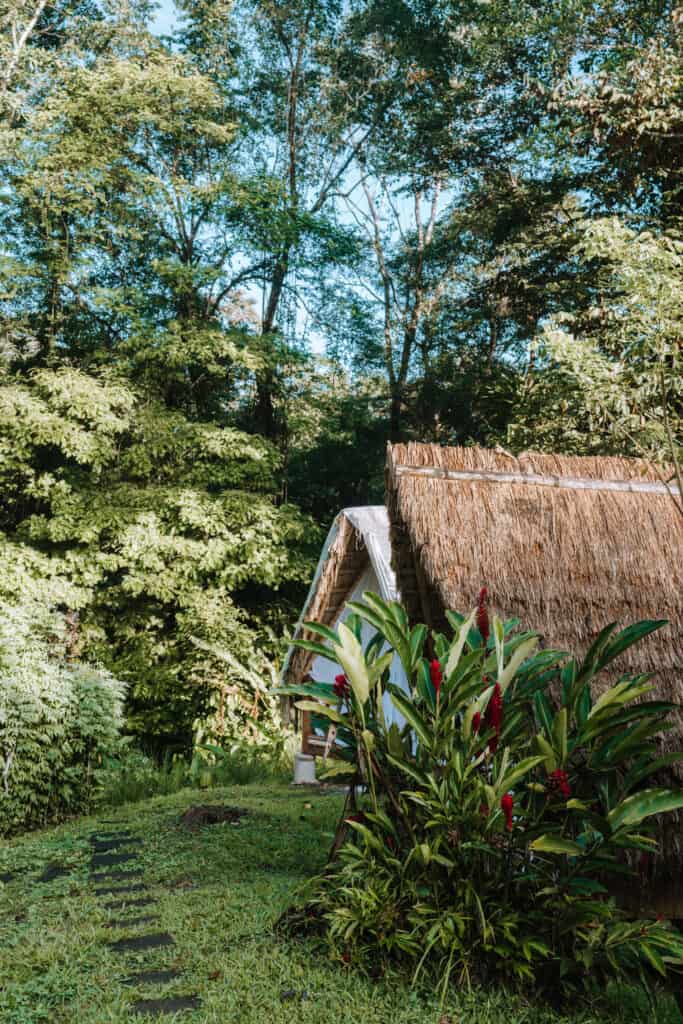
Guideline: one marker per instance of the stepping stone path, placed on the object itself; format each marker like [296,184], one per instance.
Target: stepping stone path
[53,871]
[115,876]
[110,890]
[157,1007]
[133,922]
[105,855]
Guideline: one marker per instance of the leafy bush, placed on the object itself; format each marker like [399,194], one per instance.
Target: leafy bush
[242,737]
[129,775]
[494,821]
[57,720]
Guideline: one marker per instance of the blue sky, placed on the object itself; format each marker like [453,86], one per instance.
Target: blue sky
[165,17]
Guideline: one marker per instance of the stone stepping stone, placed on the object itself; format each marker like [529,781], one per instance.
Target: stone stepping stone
[140,942]
[105,860]
[158,1007]
[143,901]
[133,922]
[121,890]
[114,843]
[152,977]
[116,876]
[53,871]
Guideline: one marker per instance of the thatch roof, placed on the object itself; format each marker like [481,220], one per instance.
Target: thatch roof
[593,541]
[358,538]
[565,557]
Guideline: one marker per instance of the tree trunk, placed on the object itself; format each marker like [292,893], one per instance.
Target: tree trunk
[395,415]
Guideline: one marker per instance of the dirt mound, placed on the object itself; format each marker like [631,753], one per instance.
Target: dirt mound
[210,814]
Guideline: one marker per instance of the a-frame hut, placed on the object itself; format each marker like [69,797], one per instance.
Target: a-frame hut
[356,557]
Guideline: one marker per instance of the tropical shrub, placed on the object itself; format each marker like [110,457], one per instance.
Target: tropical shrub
[493,822]
[58,720]
[241,736]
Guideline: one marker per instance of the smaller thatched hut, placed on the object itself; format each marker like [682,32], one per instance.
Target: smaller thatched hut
[356,557]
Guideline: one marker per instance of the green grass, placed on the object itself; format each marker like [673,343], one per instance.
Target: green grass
[218,893]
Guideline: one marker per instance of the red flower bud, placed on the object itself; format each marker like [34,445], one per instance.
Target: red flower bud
[341,686]
[506,804]
[435,675]
[476,722]
[559,780]
[483,615]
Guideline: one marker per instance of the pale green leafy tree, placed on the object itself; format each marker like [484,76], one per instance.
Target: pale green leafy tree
[629,377]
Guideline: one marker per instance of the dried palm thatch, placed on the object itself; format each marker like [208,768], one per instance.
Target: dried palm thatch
[567,554]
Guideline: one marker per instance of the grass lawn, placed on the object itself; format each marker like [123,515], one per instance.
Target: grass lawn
[217,892]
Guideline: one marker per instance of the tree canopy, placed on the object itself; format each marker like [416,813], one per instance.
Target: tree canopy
[237,259]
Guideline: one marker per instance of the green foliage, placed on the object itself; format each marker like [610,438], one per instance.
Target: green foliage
[161,526]
[59,720]
[621,380]
[235,961]
[519,788]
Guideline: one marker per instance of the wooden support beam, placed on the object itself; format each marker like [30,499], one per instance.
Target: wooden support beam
[537,480]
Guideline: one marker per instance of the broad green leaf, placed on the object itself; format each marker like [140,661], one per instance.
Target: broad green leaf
[556,844]
[548,753]
[368,739]
[406,707]
[458,646]
[321,691]
[627,637]
[336,767]
[417,641]
[518,772]
[350,656]
[577,805]
[654,958]
[317,627]
[520,654]
[378,667]
[648,769]
[544,711]
[560,734]
[499,641]
[639,806]
[617,696]
[316,648]
[321,709]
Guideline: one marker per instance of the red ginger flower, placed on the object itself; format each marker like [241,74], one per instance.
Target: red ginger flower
[476,722]
[341,686]
[559,781]
[506,804]
[436,675]
[483,615]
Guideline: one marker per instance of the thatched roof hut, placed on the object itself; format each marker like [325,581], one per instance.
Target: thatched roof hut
[566,544]
[356,557]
